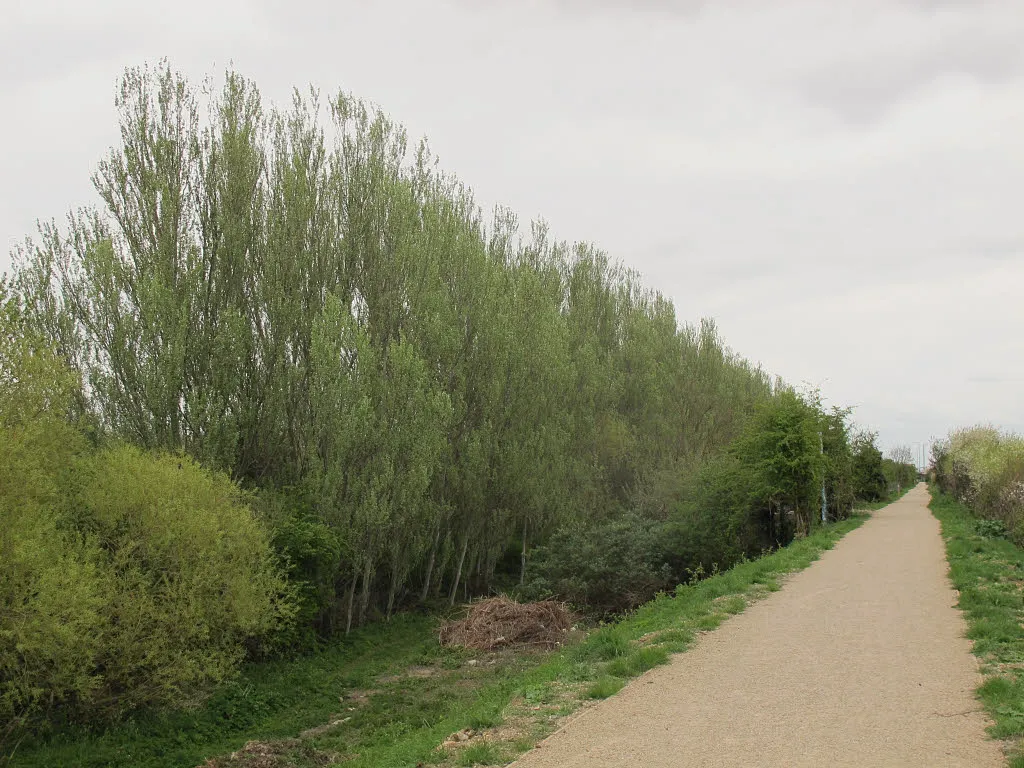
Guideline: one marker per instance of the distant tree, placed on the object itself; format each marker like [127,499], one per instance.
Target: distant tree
[869,480]
[902,470]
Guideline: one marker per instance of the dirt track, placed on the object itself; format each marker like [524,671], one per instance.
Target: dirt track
[859,660]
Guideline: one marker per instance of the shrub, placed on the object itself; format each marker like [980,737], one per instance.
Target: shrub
[311,554]
[984,468]
[716,524]
[991,529]
[869,481]
[128,580]
[52,591]
[606,567]
[190,571]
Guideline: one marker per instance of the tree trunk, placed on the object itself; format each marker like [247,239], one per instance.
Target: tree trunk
[351,601]
[364,598]
[392,589]
[522,559]
[458,571]
[430,569]
[441,565]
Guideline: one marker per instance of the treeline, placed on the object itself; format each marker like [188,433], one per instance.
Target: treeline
[305,383]
[983,467]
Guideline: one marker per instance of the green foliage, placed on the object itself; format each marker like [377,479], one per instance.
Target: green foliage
[837,447]
[607,567]
[900,473]
[191,572]
[991,529]
[142,585]
[767,486]
[51,588]
[311,552]
[716,523]
[762,490]
[608,642]
[984,468]
[481,753]
[782,447]
[322,310]
[869,479]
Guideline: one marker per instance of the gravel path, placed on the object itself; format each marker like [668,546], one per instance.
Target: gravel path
[859,660]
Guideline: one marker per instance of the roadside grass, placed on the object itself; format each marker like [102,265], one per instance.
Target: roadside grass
[392,696]
[988,571]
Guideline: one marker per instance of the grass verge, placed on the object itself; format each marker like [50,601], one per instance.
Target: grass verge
[391,696]
[988,570]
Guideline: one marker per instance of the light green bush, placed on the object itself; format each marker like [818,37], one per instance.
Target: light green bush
[52,593]
[142,587]
[192,571]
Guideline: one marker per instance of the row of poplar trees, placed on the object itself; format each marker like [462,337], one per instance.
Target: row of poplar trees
[301,299]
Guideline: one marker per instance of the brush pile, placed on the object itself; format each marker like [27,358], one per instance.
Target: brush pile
[499,622]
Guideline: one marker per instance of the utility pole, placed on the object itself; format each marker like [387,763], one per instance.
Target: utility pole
[824,500]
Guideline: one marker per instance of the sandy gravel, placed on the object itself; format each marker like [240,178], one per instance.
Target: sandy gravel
[859,660]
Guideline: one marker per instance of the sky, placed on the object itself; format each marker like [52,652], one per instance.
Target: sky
[839,184]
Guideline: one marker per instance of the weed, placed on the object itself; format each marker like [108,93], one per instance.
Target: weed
[710,622]
[991,529]
[638,662]
[609,642]
[485,718]
[481,753]
[604,687]
[733,605]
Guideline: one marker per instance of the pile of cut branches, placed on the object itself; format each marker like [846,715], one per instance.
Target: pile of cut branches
[497,622]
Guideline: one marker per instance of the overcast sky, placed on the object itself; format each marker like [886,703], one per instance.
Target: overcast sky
[839,184]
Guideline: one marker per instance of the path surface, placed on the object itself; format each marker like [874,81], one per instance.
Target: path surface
[859,660]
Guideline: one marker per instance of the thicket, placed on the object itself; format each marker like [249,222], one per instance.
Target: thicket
[412,397]
[983,467]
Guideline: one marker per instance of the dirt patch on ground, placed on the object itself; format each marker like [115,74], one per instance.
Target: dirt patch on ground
[358,697]
[272,754]
[499,622]
[335,722]
[415,673]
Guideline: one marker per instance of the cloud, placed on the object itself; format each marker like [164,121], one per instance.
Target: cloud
[666,7]
[899,66]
